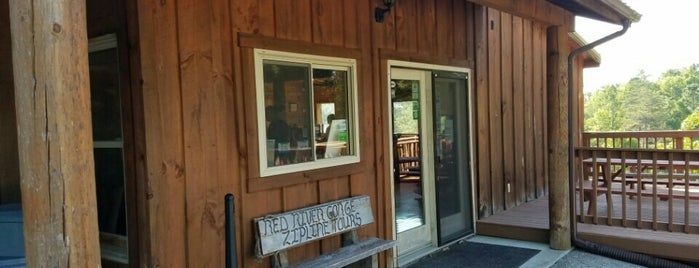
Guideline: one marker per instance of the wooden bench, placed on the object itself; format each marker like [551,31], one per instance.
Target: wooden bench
[661,193]
[279,232]
[589,195]
[678,179]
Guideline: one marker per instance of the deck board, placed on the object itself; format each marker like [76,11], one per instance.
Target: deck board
[672,245]
[630,204]
[530,221]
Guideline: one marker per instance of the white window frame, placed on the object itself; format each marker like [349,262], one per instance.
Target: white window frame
[315,61]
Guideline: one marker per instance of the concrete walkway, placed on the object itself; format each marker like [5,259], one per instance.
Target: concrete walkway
[548,257]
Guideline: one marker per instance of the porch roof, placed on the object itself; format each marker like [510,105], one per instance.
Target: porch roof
[592,57]
[612,11]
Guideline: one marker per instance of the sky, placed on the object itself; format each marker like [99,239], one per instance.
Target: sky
[665,38]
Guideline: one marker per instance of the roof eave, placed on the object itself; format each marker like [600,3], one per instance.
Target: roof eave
[592,58]
[612,11]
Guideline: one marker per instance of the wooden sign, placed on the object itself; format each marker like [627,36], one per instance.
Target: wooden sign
[281,231]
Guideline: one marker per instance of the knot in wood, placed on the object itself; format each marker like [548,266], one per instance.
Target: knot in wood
[57,28]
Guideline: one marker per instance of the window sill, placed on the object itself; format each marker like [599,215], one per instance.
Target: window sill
[114,248]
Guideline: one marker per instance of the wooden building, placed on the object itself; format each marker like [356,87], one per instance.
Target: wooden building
[178,103]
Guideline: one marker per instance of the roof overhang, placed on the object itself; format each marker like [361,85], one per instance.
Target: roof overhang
[591,58]
[612,11]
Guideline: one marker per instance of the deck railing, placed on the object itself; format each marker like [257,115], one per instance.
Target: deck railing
[640,188]
[687,140]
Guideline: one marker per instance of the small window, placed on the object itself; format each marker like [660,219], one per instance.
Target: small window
[108,139]
[306,111]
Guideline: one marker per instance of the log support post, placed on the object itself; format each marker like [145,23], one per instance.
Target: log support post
[52,97]
[557,112]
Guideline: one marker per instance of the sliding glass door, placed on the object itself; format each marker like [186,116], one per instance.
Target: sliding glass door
[452,159]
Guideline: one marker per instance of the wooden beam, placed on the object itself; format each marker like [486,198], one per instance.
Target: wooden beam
[536,10]
[557,105]
[52,94]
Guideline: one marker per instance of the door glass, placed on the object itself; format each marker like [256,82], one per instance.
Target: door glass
[452,162]
[406,145]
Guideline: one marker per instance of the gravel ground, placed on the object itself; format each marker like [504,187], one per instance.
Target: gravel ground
[579,258]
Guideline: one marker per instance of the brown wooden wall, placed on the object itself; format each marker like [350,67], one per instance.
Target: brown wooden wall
[194,125]
[9,157]
[334,28]
[511,111]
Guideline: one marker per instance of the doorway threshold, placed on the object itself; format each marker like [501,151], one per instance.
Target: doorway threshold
[415,255]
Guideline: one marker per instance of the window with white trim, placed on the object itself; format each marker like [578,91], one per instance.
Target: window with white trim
[306,107]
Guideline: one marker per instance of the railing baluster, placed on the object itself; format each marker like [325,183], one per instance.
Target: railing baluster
[608,183]
[582,176]
[666,157]
[655,191]
[686,192]
[593,183]
[671,179]
[639,188]
[623,188]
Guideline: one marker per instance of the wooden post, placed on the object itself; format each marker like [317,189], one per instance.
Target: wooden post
[52,96]
[557,105]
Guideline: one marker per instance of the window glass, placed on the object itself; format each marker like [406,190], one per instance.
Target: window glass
[307,107]
[108,140]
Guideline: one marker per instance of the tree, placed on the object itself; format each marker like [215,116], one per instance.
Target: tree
[681,88]
[691,122]
[642,105]
[601,110]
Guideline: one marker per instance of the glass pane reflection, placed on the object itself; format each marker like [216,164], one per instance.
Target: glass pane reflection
[307,113]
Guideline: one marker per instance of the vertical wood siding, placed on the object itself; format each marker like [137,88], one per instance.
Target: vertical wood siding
[166,207]
[201,124]
[206,79]
[325,23]
[200,135]
[511,114]
[497,179]
[520,177]
[508,142]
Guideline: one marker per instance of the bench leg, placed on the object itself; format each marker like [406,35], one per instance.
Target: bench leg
[592,204]
[279,260]
[352,237]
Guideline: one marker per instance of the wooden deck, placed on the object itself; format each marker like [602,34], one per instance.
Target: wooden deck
[670,245]
[669,214]
[530,222]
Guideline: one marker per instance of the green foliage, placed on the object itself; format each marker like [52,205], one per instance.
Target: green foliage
[642,105]
[691,122]
[600,111]
[681,87]
[403,121]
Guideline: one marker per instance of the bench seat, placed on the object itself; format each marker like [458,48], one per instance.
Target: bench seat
[661,192]
[349,254]
[661,179]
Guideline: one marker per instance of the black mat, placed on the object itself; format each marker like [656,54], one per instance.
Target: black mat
[470,254]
